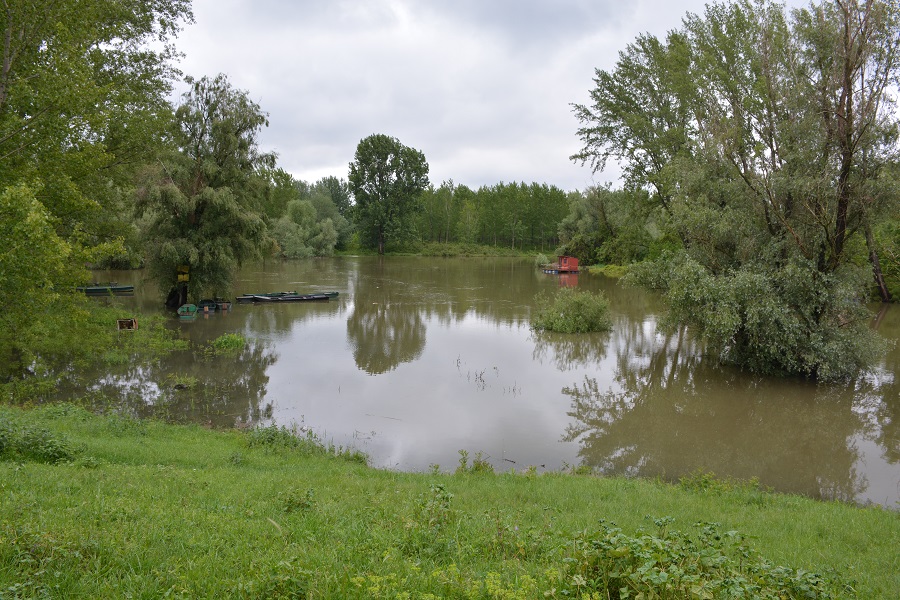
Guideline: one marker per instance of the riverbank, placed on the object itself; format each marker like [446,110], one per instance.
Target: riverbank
[108,506]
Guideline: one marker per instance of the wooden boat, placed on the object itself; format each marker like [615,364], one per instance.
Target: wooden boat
[207,306]
[286,297]
[107,289]
[187,311]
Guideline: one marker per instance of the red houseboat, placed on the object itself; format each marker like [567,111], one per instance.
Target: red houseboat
[566,264]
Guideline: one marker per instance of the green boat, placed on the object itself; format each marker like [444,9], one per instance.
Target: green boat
[187,312]
[107,289]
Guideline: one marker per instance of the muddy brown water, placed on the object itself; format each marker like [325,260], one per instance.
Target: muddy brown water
[419,358]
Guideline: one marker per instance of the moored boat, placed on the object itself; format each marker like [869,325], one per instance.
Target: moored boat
[286,297]
[207,306]
[106,289]
[187,311]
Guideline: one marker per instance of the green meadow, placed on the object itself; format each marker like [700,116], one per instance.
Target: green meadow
[106,506]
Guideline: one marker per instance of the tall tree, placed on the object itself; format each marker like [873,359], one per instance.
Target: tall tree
[387,180]
[206,206]
[339,192]
[766,142]
[83,99]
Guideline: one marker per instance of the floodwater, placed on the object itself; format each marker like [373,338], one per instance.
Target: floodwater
[419,358]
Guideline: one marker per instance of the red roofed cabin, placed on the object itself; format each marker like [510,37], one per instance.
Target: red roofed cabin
[566,264]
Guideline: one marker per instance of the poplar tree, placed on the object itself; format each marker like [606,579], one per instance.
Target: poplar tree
[387,180]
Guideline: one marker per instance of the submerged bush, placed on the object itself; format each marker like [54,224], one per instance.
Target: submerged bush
[572,311]
[227,343]
[789,320]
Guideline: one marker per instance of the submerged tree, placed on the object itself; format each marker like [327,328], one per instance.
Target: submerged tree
[387,180]
[205,207]
[765,141]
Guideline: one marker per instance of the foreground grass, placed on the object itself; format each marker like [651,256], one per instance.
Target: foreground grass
[110,507]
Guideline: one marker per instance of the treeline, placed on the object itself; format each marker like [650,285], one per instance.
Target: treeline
[514,215]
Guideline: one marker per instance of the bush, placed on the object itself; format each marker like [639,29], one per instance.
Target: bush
[227,343]
[27,442]
[571,311]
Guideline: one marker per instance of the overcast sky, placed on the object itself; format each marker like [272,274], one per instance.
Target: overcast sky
[482,87]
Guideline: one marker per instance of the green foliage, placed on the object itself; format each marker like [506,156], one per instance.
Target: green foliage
[300,440]
[84,93]
[34,267]
[671,564]
[229,344]
[274,438]
[204,209]
[300,234]
[617,227]
[56,351]
[572,311]
[297,501]
[795,320]
[612,271]
[767,143]
[387,180]
[479,466]
[515,215]
[23,441]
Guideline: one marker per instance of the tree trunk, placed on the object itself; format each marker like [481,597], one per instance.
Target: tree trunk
[883,291]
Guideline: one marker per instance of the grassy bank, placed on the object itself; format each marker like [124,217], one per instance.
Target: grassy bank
[111,507]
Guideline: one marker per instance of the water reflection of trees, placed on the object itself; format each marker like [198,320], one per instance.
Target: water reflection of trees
[568,352]
[385,328]
[886,413]
[670,412]
[191,387]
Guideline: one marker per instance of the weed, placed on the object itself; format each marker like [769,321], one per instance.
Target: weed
[34,443]
[5,434]
[480,464]
[297,501]
[282,580]
[671,564]
[431,515]
[433,510]
[273,438]
[227,344]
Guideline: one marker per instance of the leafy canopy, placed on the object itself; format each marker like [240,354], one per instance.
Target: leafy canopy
[387,180]
[765,144]
[204,208]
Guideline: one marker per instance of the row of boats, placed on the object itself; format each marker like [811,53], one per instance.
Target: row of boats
[215,304]
[189,311]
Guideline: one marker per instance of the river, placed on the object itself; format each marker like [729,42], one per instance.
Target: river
[419,358]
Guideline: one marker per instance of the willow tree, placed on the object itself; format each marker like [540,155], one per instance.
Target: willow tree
[766,140]
[205,206]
